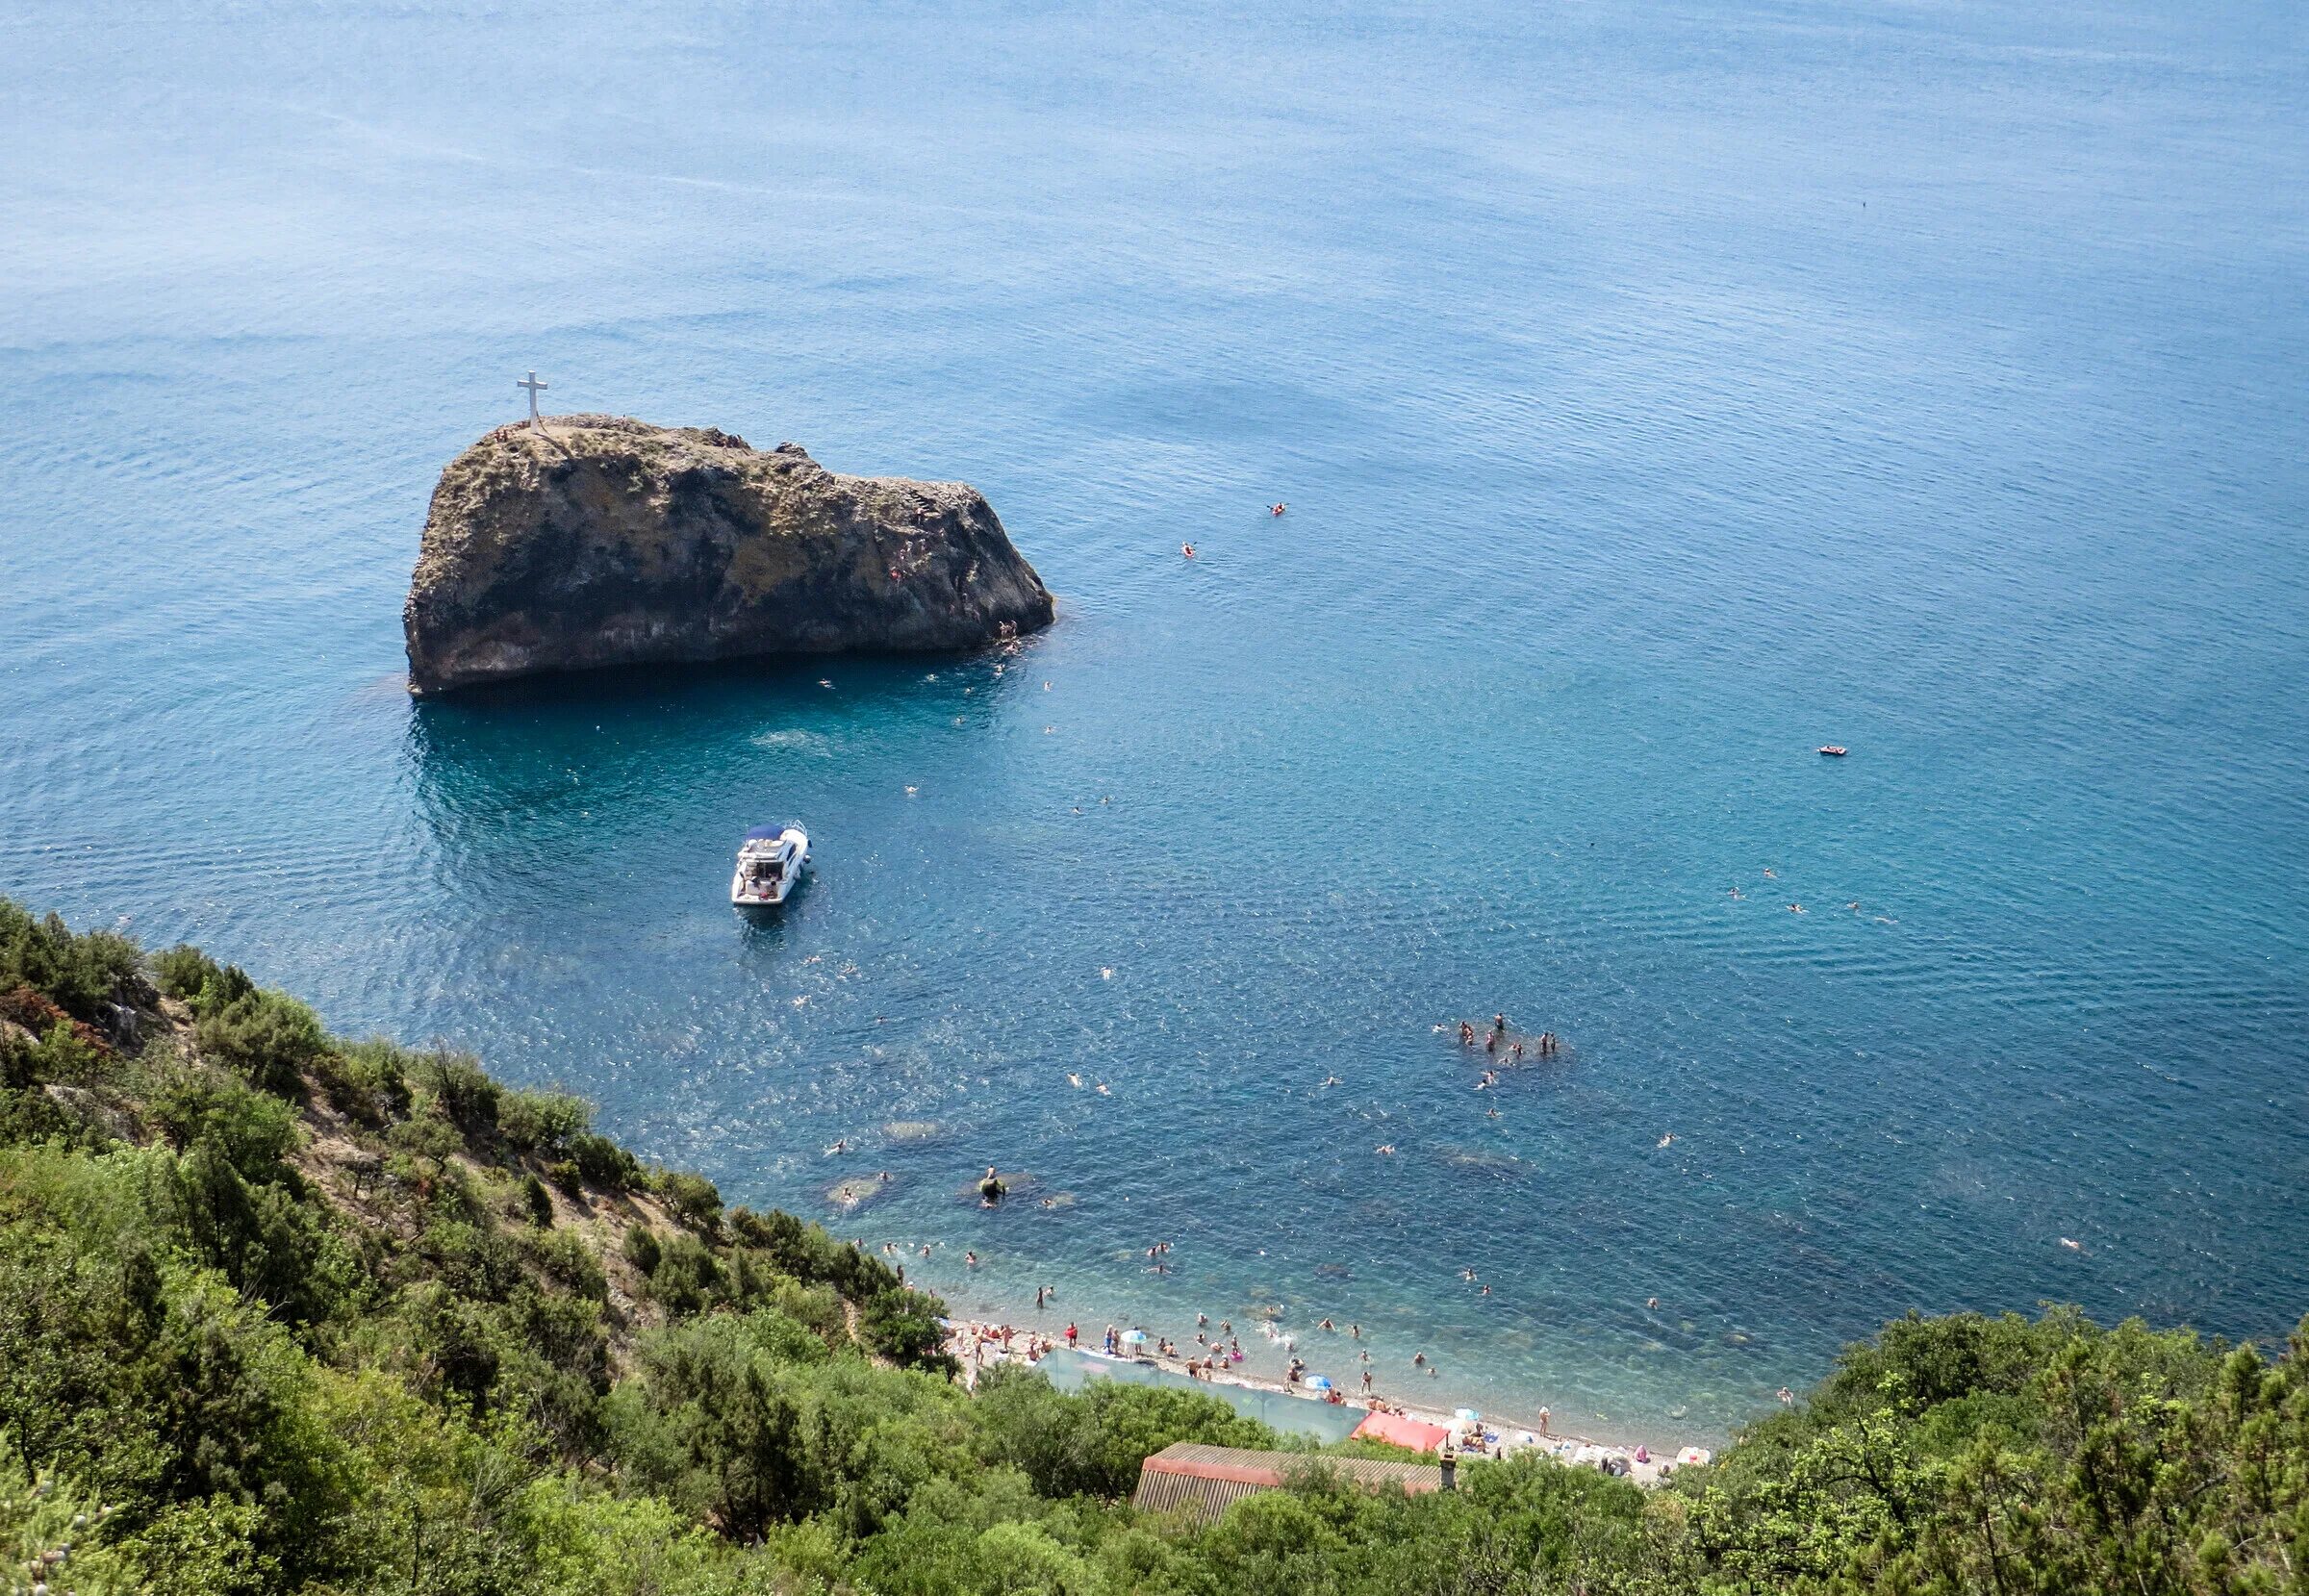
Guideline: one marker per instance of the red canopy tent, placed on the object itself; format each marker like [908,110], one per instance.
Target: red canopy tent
[1402,1432]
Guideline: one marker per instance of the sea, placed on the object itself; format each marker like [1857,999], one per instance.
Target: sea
[1658,392]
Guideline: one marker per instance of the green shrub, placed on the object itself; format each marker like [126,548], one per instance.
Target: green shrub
[686,1278]
[268,1037]
[641,1249]
[59,1055]
[541,1122]
[464,1090]
[693,1197]
[83,974]
[366,1081]
[602,1162]
[565,1257]
[902,1326]
[253,1131]
[183,971]
[538,1201]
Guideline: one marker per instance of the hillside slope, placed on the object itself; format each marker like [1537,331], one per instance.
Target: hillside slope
[286,1312]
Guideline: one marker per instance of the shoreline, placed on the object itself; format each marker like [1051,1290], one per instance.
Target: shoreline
[985,1337]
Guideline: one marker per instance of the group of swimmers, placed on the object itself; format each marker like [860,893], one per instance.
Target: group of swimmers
[1546,1045]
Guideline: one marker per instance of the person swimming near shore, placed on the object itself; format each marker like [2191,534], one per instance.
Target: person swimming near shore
[1466,1034]
[1419,1360]
[1384,1149]
[1327,1324]
[970,1258]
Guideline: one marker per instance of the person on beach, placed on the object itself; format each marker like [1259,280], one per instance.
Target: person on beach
[1366,1383]
[1070,1335]
[1544,1416]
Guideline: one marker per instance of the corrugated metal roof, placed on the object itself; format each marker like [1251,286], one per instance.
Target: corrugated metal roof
[1205,1479]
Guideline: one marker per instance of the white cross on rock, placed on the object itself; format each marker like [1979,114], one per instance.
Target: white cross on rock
[535,388]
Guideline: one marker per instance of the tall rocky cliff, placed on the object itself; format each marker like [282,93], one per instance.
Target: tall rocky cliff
[606,541]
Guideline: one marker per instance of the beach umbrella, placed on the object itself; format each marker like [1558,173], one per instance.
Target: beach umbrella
[1468,1415]
[1134,1338]
[1318,1382]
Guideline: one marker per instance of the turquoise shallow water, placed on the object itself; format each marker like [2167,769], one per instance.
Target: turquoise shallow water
[1658,392]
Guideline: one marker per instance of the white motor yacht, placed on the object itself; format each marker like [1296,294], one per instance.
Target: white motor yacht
[770,865]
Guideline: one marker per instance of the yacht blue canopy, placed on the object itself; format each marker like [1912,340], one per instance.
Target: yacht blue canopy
[769,834]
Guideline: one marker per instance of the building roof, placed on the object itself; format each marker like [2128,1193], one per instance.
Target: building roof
[1205,1479]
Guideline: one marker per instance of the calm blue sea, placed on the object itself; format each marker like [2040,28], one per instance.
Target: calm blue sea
[1658,392]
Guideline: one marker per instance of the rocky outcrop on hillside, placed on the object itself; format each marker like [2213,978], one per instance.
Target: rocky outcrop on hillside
[600,539]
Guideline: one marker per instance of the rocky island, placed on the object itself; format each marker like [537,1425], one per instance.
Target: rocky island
[600,539]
